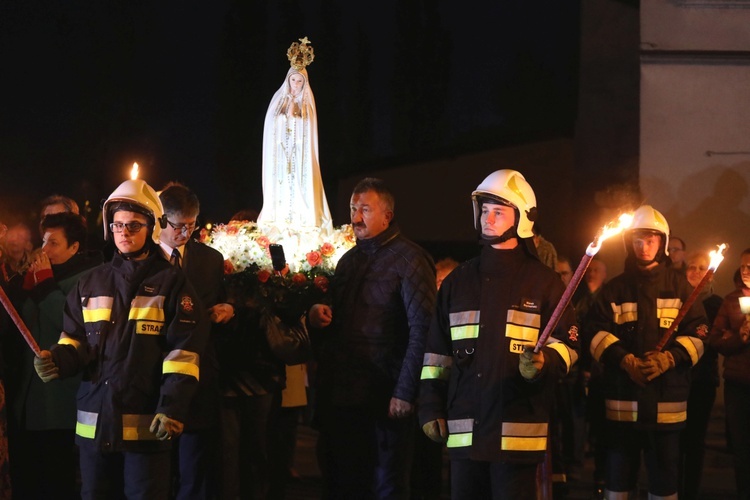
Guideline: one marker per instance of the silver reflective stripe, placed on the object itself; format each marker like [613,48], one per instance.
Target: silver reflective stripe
[625,312]
[463,318]
[461,425]
[533,320]
[432,359]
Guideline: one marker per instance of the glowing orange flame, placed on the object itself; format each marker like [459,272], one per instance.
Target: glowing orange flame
[612,228]
[716,256]
[134,172]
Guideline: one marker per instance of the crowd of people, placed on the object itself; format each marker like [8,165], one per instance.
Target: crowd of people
[155,379]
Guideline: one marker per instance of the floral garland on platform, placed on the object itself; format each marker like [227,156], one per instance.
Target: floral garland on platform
[311,256]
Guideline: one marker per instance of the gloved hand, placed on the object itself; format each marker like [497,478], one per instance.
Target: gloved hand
[530,363]
[45,367]
[165,428]
[656,363]
[633,366]
[437,430]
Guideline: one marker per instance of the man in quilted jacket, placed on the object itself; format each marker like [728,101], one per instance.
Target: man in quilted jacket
[369,346]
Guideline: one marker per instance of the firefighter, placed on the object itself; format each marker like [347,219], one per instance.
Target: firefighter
[132,326]
[645,390]
[483,390]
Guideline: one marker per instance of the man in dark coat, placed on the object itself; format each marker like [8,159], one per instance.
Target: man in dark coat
[195,453]
[371,352]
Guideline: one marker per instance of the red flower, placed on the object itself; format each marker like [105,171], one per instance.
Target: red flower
[314,258]
[322,283]
[232,229]
[298,278]
[228,267]
[263,275]
[203,235]
[327,249]
[263,241]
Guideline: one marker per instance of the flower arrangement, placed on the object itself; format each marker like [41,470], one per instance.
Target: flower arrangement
[311,255]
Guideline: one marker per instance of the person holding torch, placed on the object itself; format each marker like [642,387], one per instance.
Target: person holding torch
[134,328]
[730,336]
[645,388]
[484,391]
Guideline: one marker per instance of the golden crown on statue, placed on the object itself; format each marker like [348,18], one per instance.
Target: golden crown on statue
[300,54]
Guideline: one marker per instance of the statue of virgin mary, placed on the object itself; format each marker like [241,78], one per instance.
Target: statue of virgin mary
[293,194]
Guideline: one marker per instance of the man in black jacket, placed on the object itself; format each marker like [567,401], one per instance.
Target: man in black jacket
[371,354]
[195,451]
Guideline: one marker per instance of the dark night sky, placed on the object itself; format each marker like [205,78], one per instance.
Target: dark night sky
[182,88]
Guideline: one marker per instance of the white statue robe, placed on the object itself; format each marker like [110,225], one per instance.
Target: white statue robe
[293,193]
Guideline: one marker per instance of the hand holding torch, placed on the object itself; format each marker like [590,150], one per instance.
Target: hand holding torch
[611,229]
[716,257]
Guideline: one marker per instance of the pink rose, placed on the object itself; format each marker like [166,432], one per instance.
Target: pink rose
[327,249]
[228,267]
[232,229]
[263,275]
[203,235]
[263,241]
[299,278]
[314,258]
[321,282]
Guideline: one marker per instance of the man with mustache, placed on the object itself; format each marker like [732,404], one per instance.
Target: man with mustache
[369,353]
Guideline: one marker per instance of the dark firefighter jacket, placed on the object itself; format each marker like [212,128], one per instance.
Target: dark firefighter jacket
[488,309]
[135,330]
[631,315]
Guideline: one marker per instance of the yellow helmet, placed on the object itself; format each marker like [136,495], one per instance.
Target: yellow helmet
[135,196]
[508,187]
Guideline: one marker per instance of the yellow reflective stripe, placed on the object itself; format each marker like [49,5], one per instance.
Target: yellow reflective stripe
[569,356]
[435,373]
[668,308]
[136,427]
[526,333]
[601,341]
[524,318]
[459,440]
[463,318]
[147,308]
[464,332]
[65,340]
[621,411]
[625,312]
[523,444]
[693,346]
[86,424]
[671,413]
[180,361]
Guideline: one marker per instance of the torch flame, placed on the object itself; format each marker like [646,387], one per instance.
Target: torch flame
[134,172]
[612,228]
[716,256]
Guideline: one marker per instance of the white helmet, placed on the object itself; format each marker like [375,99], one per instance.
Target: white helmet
[648,218]
[508,187]
[135,196]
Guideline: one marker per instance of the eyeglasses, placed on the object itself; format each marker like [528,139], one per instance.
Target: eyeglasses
[183,228]
[133,227]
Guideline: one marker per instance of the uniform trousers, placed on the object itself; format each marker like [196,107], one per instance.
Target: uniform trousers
[737,407]
[473,480]
[365,456]
[660,450]
[140,476]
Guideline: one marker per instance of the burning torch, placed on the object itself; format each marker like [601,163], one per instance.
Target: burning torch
[611,229]
[716,256]
[27,336]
